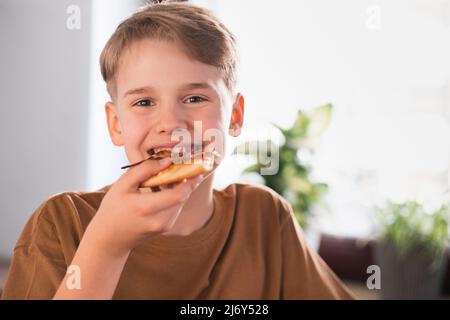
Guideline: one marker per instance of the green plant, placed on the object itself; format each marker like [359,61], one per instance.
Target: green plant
[293,177]
[409,226]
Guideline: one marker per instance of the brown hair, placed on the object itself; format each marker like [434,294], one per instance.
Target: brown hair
[200,33]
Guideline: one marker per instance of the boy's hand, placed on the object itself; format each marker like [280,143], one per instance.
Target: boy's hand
[127,215]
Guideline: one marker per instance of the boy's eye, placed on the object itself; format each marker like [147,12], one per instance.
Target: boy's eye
[143,103]
[195,99]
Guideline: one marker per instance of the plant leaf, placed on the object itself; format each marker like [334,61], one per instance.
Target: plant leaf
[283,131]
[300,126]
[253,168]
[320,119]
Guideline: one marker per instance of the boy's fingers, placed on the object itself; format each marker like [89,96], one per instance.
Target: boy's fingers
[132,179]
[167,198]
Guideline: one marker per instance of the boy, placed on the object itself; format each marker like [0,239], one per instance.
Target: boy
[168,68]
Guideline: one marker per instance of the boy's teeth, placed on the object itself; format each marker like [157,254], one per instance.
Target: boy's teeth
[162,149]
[177,149]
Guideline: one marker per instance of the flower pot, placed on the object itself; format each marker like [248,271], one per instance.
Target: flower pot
[414,275]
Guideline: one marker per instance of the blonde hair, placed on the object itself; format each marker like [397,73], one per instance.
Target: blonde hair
[202,36]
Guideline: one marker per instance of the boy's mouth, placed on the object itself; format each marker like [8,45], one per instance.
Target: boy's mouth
[179,150]
[193,152]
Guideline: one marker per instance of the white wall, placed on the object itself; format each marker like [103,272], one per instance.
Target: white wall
[44,85]
[52,104]
[104,159]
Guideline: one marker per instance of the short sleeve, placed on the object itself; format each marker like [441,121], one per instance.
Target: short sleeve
[304,274]
[38,265]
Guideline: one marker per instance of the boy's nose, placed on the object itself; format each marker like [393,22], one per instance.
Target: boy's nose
[169,120]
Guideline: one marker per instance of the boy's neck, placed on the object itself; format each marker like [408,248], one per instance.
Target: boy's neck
[197,211]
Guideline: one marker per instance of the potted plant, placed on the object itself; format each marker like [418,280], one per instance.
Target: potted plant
[411,250]
[293,177]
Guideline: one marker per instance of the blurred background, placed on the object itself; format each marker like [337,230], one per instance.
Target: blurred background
[383,65]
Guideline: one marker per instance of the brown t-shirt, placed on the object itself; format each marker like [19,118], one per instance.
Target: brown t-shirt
[250,248]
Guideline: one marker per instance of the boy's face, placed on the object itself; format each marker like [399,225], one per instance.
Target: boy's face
[159,90]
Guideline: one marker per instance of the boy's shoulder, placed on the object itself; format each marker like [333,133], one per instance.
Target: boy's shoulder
[64,209]
[258,191]
[76,200]
[260,198]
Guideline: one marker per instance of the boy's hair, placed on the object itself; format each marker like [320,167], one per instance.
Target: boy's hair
[200,33]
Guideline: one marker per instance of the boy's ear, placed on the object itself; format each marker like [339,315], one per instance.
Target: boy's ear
[112,120]
[237,116]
